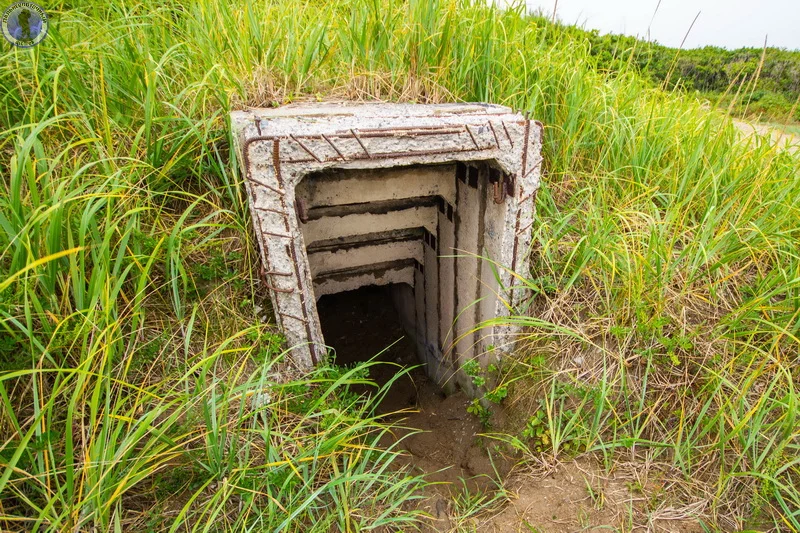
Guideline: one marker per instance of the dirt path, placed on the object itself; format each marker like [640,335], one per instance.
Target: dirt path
[474,487]
[777,135]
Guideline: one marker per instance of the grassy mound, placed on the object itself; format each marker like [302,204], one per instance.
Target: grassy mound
[136,392]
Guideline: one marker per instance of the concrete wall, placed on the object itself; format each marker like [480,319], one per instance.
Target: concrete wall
[404,300]
[355,221]
[369,228]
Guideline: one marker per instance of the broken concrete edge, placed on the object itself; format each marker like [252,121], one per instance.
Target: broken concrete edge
[279,147]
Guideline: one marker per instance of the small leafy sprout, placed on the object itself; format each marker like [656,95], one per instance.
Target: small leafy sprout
[620,332]
[473,370]
[497,395]
[537,431]
[475,408]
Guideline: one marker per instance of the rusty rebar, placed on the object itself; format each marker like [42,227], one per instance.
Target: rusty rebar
[361,144]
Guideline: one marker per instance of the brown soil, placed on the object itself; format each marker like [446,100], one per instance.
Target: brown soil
[580,496]
[441,438]
[443,441]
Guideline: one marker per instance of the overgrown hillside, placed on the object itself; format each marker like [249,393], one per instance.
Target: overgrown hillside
[753,83]
[138,390]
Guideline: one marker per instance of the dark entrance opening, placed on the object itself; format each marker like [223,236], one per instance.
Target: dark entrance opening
[439,435]
[376,321]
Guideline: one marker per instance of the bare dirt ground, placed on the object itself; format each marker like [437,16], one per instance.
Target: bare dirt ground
[580,496]
[779,136]
[476,487]
[441,439]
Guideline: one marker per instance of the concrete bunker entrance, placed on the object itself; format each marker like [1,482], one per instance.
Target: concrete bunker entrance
[393,195]
[371,323]
[416,231]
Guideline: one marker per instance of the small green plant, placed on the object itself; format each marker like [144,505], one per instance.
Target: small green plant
[473,369]
[476,408]
[597,496]
[530,527]
[620,332]
[537,431]
[537,361]
[267,344]
[554,426]
[470,503]
[544,285]
[498,394]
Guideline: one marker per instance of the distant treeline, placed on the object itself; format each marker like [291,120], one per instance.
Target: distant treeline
[710,70]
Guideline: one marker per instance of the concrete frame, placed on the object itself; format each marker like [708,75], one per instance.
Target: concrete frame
[280,147]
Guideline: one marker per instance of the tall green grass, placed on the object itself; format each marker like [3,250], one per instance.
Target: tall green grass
[665,257]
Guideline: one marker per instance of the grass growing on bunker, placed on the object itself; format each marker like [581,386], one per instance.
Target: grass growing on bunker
[136,392]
